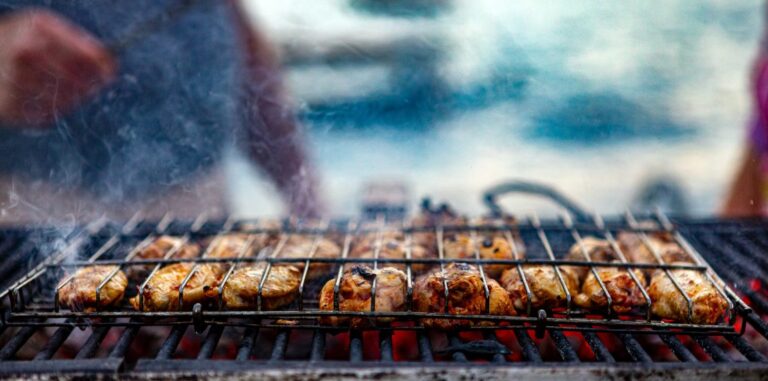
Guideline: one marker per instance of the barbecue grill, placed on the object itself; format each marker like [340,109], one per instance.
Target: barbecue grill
[39,336]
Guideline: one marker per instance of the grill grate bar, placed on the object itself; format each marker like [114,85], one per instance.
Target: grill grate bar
[246,346]
[601,352]
[92,344]
[211,341]
[54,343]
[169,346]
[425,347]
[355,346]
[454,341]
[682,353]
[318,346]
[497,358]
[747,350]
[281,343]
[712,349]
[564,346]
[385,346]
[530,351]
[16,342]
[124,342]
[634,348]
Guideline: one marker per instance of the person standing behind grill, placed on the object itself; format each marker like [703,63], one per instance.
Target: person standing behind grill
[87,131]
[748,192]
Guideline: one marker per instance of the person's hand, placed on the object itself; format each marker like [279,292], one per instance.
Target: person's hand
[47,66]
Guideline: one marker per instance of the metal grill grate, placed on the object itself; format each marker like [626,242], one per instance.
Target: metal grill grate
[567,335]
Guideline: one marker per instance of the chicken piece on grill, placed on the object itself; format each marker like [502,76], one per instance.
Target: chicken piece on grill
[466,296]
[626,294]
[638,252]
[79,294]
[241,290]
[355,295]
[158,249]
[391,247]
[545,286]
[463,246]
[301,247]
[162,291]
[599,250]
[709,306]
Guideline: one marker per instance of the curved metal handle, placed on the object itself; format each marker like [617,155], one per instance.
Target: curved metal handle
[491,196]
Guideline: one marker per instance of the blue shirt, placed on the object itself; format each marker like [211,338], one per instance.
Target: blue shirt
[168,115]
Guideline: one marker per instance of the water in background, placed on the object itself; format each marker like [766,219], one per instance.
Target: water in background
[594,98]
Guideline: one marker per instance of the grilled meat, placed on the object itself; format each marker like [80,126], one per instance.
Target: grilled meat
[638,252]
[466,296]
[162,291]
[301,247]
[355,295]
[599,250]
[158,249]
[463,246]
[625,293]
[391,247]
[709,306]
[242,288]
[79,294]
[544,284]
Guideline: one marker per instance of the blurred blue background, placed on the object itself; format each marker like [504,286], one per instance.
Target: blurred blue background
[596,98]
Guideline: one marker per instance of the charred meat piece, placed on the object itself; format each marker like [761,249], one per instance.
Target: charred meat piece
[158,249]
[301,247]
[466,296]
[626,294]
[709,306]
[545,286]
[463,246]
[638,252]
[391,247]
[598,250]
[79,294]
[242,288]
[162,291]
[355,295]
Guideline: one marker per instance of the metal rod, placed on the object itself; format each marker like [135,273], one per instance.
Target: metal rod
[601,352]
[498,358]
[171,342]
[355,346]
[124,342]
[54,343]
[564,346]
[16,342]
[211,341]
[682,353]
[278,349]
[454,341]
[548,248]
[747,350]
[385,346]
[634,348]
[530,350]
[91,345]
[246,346]
[425,347]
[317,353]
[712,349]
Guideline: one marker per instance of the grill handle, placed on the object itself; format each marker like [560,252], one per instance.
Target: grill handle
[490,197]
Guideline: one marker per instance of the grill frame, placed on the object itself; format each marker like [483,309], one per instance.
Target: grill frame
[163,365]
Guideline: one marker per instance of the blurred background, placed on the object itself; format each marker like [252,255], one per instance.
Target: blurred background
[599,99]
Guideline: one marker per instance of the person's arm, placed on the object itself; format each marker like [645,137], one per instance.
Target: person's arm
[47,67]
[274,138]
[744,197]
